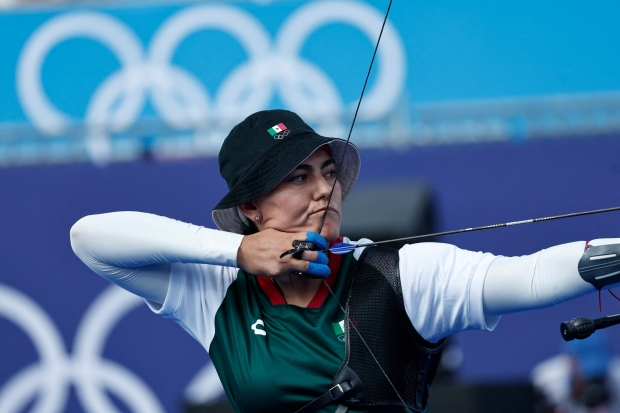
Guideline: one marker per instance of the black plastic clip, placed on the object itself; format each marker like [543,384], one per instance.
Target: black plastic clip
[299,247]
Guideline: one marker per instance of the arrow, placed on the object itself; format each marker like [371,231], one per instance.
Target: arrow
[343,248]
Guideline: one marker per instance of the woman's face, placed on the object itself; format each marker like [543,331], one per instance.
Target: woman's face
[298,202]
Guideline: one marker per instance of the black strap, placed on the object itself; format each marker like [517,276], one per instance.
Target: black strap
[326,398]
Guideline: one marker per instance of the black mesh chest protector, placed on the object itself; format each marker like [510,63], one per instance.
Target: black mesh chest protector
[375,305]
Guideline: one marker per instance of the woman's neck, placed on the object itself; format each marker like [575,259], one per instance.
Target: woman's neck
[298,290]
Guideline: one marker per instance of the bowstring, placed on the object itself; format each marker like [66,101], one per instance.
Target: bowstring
[330,198]
[367,347]
[355,116]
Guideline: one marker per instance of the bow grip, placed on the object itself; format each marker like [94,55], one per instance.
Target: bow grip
[600,264]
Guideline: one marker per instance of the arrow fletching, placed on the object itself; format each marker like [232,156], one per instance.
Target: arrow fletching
[341,248]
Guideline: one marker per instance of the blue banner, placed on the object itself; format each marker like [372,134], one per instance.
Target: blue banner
[127,82]
[71,342]
[111,83]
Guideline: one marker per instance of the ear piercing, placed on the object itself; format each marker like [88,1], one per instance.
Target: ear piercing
[257,217]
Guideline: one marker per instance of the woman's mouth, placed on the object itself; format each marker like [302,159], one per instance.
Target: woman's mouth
[329,209]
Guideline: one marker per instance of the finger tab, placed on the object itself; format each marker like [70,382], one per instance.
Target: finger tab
[317,239]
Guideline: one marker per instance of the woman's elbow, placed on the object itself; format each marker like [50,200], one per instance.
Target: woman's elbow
[80,232]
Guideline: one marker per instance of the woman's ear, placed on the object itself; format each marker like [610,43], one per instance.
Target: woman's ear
[250,210]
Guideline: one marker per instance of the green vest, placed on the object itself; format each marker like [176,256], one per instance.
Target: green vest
[276,357]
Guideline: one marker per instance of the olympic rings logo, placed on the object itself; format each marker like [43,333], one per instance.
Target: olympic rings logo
[52,376]
[179,98]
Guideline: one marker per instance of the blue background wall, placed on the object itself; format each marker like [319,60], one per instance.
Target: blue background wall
[453,51]
[474,185]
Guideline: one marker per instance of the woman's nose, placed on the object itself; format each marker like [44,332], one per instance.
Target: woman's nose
[324,187]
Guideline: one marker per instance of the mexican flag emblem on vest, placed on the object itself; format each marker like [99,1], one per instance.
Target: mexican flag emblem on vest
[339,330]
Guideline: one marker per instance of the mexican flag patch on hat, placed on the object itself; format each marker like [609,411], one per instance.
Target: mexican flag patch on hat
[277,129]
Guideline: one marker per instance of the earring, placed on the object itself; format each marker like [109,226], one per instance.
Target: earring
[257,217]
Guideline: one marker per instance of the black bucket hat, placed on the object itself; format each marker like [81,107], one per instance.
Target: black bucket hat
[262,150]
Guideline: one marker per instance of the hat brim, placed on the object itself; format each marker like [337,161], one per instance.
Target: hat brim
[261,177]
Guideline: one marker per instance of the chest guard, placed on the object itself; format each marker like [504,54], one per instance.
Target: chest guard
[375,305]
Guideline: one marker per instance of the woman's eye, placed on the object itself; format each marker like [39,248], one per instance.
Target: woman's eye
[331,173]
[298,178]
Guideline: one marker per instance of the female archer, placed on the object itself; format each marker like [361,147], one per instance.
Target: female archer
[317,331]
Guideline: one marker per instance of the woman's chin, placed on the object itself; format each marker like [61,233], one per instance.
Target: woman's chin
[330,232]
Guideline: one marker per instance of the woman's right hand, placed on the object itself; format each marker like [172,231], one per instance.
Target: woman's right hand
[259,253]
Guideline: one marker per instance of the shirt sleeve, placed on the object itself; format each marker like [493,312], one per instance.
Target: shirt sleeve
[194,296]
[134,250]
[543,279]
[443,289]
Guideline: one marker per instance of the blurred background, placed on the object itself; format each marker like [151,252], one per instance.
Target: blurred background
[476,113]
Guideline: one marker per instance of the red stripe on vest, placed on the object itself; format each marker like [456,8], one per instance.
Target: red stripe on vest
[276,297]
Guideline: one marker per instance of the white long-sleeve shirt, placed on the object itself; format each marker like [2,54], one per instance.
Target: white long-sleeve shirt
[184,271]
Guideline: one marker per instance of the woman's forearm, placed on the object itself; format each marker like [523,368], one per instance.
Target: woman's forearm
[543,279]
[134,249]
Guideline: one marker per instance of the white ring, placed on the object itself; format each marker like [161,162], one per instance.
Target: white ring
[49,377]
[109,31]
[383,95]
[178,96]
[86,370]
[239,24]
